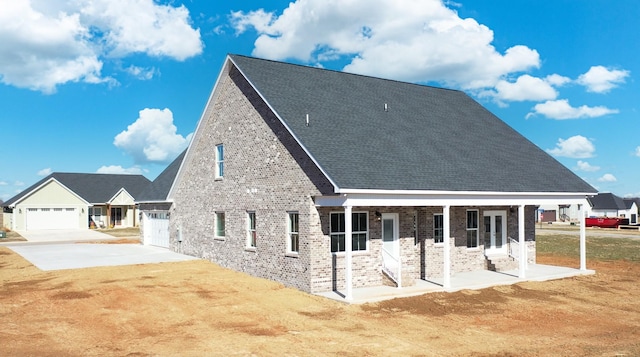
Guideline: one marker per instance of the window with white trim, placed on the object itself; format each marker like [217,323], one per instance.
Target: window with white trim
[219,161]
[359,231]
[252,236]
[472,228]
[219,223]
[438,228]
[293,232]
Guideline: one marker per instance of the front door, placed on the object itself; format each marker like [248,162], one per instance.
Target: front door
[495,232]
[390,234]
[116,216]
[391,244]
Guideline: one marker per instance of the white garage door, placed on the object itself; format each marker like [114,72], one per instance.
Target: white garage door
[52,218]
[156,229]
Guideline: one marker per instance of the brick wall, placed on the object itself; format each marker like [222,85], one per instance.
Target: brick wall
[265,171]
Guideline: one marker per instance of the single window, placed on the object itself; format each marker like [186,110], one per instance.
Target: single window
[472,228]
[219,161]
[251,230]
[438,228]
[219,224]
[359,231]
[293,244]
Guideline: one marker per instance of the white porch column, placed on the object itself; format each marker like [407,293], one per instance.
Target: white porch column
[348,243]
[446,235]
[522,243]
[583,237]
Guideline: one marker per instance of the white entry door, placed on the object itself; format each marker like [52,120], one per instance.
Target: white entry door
[495,232]
[390,235]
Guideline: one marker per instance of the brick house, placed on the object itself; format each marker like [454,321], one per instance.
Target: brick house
[288,160]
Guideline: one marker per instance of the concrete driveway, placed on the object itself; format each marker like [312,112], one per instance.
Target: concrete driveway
[73,249]
[87,255]
[64,235]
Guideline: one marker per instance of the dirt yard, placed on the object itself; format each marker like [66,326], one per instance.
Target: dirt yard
[199,309]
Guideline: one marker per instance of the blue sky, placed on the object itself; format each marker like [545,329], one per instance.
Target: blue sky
[97,86]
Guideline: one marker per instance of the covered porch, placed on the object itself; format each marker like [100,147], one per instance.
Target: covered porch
[449,279]
[479,279]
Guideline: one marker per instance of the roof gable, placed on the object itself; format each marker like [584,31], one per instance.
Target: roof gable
[372,133]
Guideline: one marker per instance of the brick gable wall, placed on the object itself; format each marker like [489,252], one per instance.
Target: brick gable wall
[265,171]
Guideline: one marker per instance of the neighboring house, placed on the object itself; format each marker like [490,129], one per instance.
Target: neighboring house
[567,213]
[287,162]
[609,205]
[77,201]
[154,206]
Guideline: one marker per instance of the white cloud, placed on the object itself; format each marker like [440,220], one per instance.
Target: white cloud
[557,80]
[45,172]
[141,73]
[18,183]
[39,52]
[117,169]
[4,183]
[577,147]
[638,151]
[600,79]
[585,166]
[561,109]
[152,137]
[607,178]
[143,26]
[524,88]
[384,38]
[44,44]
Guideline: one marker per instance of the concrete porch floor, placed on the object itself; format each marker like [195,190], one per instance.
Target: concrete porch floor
[474,280]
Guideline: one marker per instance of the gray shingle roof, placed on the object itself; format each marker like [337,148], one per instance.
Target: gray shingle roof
[158,190]
[93,188]
[607,200]
[428,139]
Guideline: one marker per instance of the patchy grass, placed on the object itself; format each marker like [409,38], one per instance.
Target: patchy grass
[601,248]
[121,232]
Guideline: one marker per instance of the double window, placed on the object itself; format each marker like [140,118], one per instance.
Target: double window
[219,161]
[293,232]
[359,230]
[472,228]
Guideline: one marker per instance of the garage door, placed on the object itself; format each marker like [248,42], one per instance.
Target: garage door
[156,229]
[51,218]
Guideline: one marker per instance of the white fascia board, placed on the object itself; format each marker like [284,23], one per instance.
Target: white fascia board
[335,187]
[205,114]
[28,194]
[154,201]
[441,198]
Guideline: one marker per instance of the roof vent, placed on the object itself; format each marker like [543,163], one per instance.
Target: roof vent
[386,107]
[307,119]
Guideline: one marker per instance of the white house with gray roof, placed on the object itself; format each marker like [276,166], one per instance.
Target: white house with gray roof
[324,180]
[77,201]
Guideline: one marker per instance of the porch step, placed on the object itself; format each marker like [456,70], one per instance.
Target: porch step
[500,263]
